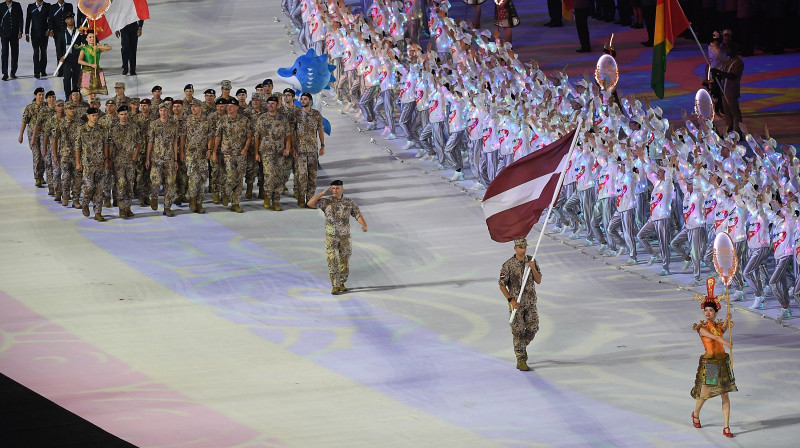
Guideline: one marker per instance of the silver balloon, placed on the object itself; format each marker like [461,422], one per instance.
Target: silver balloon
[703,105]
[606,73]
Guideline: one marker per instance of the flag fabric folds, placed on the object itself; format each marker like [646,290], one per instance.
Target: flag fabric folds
[120,14]
[566,9]
[519,194]
[670,22]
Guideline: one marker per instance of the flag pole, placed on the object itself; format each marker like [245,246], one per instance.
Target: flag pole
[547,217]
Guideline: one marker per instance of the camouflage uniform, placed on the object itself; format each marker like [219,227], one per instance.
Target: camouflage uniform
[272,133]
[233,134]
[337,235]
[218,172]
[90,142]
[292,163]
[29,117]
[42,121]
[208,110]
[106,121]
[65,132]
[181,175]
[80,109]
[197,131]
[254,170]
[124,140]
[142,172]
[164,136]
[308,125]
[526,322]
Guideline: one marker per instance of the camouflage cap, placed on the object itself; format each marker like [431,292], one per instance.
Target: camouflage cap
[257,97]
[111,101]
[59,102]
[521,242]
[226,84]
[119,85]
[69,105]
[135,100]
[196,102]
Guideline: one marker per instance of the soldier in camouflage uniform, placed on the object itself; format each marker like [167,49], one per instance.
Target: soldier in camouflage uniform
[92,159]
[162,158]
[119,95]
[526,322]
[290,109]
[254,171]
[156,100]
[188,99]
[47,128]
[124,145]
[232,141]
[181,177]
[196,144]
[76,99]
[308,124]
[273,144]
[40,134]
[338,210]
[143,120]
[209,107]
[218,175]
[29,116]
[106,121]
[65,134]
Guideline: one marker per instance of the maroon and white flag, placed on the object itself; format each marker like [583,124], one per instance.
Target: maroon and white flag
[516,198]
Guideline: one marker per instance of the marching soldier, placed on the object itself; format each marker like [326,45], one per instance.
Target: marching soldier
[308,124]
[162,158]
[143,120]
[65,134]
[124,145]
[196,144]
[93,161]
[526,322]
[156,101]
[29,116]
[208,106]
[119,95]
[233,137]
[338,210]
[182,178]
[52,169]
[252,112]
[218,165]
[273,145]
[39,123]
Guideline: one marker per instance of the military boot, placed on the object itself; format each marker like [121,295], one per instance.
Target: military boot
[225,200]
[236,208]
[192,205]
[99,217]
[267,204]
[301,201]
[199,209]
[262,192]
[154,203]
[64,201]
[178,201]
[342,288]
[249,193]
[50,191]
[107,203]
[521,365]
[276,205]
[129,212]
[76,204]
[57,198]
[143,201]
[168,212]
[215,198]
[38,182]
[335,291]
[86,209]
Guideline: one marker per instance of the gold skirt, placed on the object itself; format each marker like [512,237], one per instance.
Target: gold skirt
[716,373]
[93,82]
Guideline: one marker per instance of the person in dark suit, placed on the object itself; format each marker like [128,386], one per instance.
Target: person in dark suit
[10,34]
[731,87]
[56,25]
[582,10]
[130,42]
[36,33]
[71,70]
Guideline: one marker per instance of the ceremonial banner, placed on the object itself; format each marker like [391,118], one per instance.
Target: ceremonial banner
[566,8]
[670,22]
[515,199]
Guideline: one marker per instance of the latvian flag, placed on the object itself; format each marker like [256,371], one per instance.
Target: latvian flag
[518,195]
[120,14]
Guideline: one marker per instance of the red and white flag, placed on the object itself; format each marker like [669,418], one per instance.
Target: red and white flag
[120,14]
[516,198]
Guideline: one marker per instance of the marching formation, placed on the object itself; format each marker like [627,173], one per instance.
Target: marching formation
[137,149]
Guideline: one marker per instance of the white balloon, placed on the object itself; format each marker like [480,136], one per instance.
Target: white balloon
[703,105]
[725,261]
